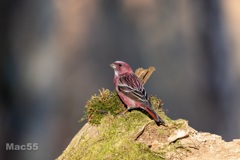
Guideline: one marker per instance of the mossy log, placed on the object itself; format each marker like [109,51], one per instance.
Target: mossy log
[111,135]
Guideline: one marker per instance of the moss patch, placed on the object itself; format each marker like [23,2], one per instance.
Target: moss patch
[110,135]
[115,140]
[99,105]
[117,136]
[129,136]
[108,102]
[133,135]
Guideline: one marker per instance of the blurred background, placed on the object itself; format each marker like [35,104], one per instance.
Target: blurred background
[55,54]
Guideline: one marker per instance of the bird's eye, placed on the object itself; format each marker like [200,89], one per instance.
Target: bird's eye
[120,65]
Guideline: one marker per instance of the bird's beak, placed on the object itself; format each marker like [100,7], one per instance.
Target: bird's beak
[113,65]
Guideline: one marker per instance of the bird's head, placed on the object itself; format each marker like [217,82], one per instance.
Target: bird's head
[121,67]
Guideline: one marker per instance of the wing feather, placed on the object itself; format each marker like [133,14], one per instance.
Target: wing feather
[131,86]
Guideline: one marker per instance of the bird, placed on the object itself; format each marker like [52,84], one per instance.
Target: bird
[131,90]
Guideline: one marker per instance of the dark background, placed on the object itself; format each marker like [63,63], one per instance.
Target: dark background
[55,54]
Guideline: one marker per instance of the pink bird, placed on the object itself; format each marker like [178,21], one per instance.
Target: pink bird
[131,91]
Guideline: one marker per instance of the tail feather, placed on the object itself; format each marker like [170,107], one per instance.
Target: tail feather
[154,115]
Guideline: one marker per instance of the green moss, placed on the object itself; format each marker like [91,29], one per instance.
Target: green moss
[116,139]
[99,105]
[116,133]
[109,103]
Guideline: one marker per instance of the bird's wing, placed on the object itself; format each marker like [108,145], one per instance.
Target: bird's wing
[131,86]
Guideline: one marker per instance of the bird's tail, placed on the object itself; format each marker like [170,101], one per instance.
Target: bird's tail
[154,115]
